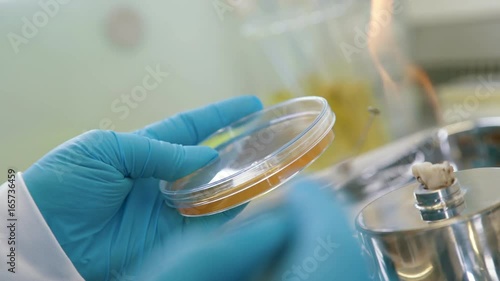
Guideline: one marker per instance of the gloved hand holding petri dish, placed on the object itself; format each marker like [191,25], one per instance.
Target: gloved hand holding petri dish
[256,155]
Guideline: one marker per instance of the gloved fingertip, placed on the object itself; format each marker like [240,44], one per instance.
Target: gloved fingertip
[200,151]
[195,157]
[252,102]
[238,107]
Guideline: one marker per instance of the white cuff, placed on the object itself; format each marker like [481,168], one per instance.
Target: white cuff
[28,249]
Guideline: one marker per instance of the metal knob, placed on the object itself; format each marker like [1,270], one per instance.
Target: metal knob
[444,203]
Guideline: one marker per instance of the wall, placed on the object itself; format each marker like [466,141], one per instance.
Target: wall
[63,78]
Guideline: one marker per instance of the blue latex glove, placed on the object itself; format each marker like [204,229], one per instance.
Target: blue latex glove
[99,192]
[307,238]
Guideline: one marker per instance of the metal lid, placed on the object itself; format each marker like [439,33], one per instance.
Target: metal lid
[475,192]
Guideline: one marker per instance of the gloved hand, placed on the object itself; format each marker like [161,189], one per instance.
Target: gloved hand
[99,192]
[306,238]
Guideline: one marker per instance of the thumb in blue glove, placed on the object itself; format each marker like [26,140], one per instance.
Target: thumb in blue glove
[99,193]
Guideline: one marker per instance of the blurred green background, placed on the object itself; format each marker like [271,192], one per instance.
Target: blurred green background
[64,80]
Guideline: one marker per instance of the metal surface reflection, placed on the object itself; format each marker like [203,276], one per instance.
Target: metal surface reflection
[464,247]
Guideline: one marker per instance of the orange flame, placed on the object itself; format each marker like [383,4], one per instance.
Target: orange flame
[381,40]
[418,74]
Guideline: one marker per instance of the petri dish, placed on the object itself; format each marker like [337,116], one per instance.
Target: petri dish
[256,155]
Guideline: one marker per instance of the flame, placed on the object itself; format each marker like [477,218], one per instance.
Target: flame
[381,41]
[377,37]
[418,74]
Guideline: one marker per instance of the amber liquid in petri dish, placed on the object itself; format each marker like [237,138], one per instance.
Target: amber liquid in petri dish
[259,185]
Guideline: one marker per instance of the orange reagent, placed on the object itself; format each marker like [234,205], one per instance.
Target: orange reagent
[260,184]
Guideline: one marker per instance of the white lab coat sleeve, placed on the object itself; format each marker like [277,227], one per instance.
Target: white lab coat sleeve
[28,249]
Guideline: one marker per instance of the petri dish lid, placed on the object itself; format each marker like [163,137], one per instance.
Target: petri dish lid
[270,146]
[396,211]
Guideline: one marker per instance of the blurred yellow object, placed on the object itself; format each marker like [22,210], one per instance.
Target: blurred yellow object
[279,97]
[350,100]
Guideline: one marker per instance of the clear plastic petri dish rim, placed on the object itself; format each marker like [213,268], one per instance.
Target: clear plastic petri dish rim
[256,154]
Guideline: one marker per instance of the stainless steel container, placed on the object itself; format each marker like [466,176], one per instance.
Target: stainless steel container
[450,234]
[467,145]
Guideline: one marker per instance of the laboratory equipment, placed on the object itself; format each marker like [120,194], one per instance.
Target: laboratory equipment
[256,154]
[451,233]
[428,250]
[466,145]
